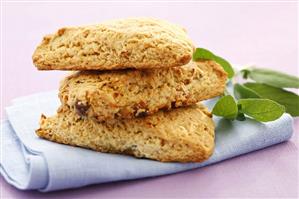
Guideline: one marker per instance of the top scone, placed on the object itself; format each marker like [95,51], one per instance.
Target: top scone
[118,44]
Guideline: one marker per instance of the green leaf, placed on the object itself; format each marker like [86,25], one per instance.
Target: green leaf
[271,77]
[263,110]
[204,54]
[242,91]
[288,99]
[226,107]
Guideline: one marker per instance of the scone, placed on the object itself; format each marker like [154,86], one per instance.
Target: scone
[180,135]
[130,93]
[118,44]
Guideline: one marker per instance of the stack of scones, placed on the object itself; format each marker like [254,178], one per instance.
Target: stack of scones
[134,90]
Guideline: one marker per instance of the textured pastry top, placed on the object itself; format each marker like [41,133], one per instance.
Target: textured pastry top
[182,134]
[124,94]
[117,44]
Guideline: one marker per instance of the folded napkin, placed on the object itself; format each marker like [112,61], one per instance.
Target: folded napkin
[32,163]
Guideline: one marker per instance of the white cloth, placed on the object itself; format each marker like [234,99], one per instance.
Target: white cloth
[32,163]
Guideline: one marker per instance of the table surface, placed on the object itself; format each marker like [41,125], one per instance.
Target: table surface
[260,33]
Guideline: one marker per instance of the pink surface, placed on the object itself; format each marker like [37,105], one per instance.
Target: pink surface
[261,33]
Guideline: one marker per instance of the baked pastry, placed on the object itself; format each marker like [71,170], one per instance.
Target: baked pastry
[124,94]
[126,43]
[180,135]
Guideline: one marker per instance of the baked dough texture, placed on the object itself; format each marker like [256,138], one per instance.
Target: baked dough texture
[118,44]
[180,135]
[125,94]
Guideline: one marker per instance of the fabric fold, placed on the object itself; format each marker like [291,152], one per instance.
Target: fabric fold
[19,166]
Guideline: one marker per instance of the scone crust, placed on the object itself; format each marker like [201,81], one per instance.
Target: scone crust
[117,44]
[129,93]
[179,135]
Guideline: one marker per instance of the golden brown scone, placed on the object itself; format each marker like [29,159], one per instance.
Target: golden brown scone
[179,135]
[133,93]
[118,44]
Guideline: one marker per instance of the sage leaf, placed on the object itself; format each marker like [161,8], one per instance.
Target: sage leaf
[286,98]
[241,92]
[263,110]
[204,54]
[271,77]
[226,107]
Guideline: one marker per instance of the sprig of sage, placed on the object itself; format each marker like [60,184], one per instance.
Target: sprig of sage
[263,110]
[263,100]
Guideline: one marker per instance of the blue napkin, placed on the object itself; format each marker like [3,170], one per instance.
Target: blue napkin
[32,163]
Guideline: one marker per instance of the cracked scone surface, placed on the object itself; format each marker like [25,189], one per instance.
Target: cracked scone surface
[180,135]
[118,44]
[130,93]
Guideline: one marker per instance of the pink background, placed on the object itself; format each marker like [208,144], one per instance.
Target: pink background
[261,33]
